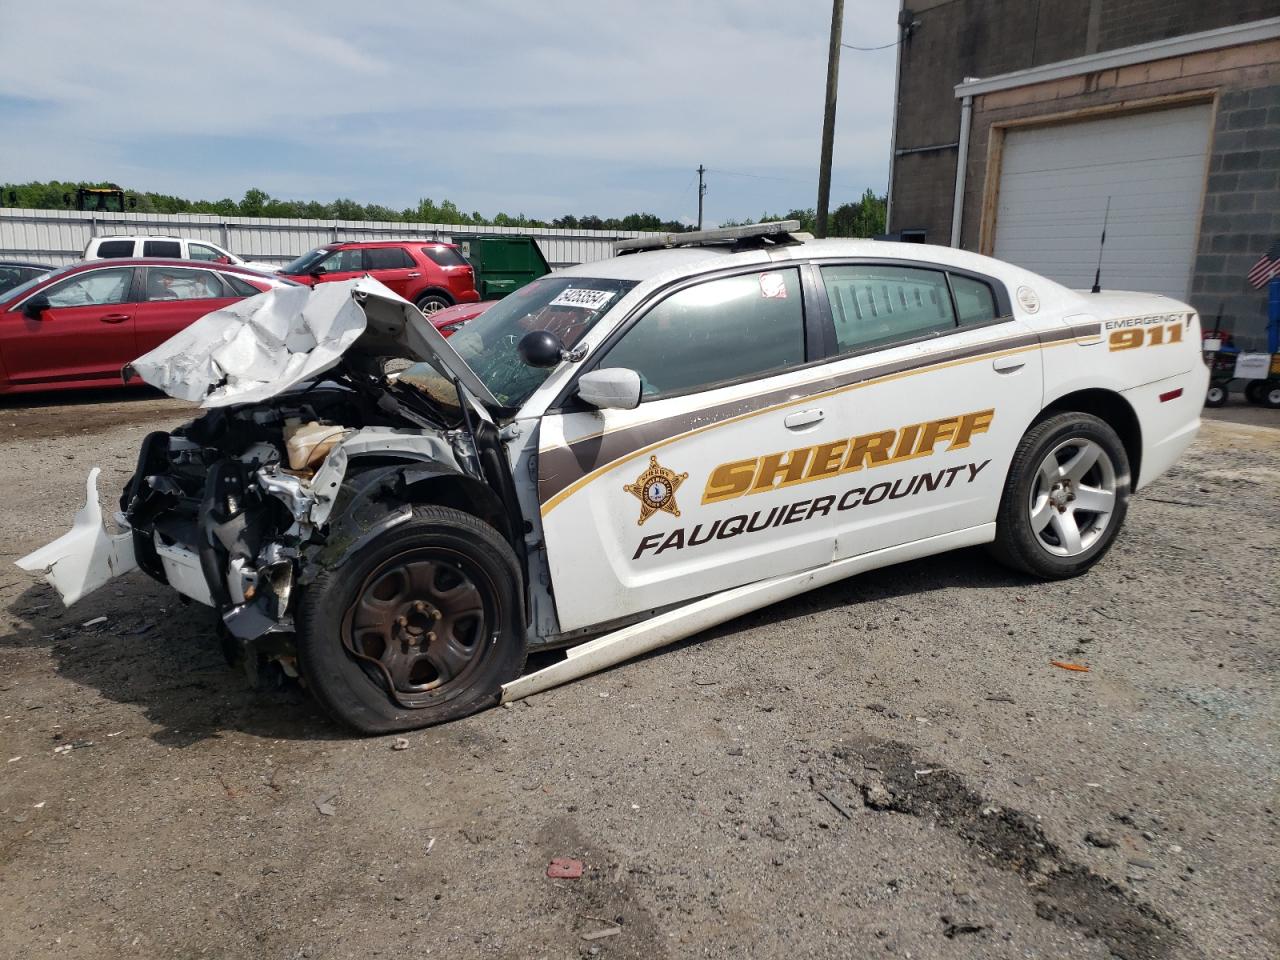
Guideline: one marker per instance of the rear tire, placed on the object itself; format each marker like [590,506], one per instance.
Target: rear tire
[1065,497]
[421,625]
[431,302]
[1216,395]
[1271,395]
[1254,391]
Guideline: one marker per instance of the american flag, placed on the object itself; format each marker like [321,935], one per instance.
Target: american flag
[1267,267]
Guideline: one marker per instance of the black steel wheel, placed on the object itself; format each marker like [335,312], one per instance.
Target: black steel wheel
[420,625]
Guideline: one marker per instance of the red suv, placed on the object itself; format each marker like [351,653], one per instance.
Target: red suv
[429,274]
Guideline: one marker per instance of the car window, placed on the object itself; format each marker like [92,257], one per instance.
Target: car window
[444,256]
[874,305]
[94,288]
[715,332]
[242,288]
[161,248]
[11,277]
[202,251]
[387,258]
[975,303]
[115,248]
[342,261]
[179,283]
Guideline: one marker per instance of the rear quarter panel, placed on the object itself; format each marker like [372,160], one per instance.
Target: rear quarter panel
[1144,347]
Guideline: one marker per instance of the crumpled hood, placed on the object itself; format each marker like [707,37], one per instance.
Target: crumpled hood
[257,348]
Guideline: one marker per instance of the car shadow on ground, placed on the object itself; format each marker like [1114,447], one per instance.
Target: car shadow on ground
[167,659]
[960,569]
[162,655]
[71,398]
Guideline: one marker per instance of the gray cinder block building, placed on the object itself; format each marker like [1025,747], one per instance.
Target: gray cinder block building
[1020,125]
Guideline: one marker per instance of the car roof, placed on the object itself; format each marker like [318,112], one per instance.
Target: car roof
[27,263]
[404,242]
[152,236]
[167,262]
[692,260]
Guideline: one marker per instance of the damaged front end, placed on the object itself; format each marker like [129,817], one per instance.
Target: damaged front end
[309,448]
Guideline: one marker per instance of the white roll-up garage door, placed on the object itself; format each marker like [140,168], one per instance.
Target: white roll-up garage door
[1054,185]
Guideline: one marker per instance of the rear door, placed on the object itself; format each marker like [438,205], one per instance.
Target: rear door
[652,506]
[86,334]
[933,384]
[173,298]
[394,267]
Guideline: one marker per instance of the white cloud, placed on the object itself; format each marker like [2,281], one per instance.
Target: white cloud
[494,104]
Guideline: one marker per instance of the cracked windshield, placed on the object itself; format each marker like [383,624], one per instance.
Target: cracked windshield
[566,306]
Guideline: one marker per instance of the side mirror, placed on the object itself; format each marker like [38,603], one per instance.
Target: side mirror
[222,260]
[317,271]
[540,348]
[36,306]
[611,388]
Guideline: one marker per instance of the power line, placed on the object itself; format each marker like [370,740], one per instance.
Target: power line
[807,181]
[883,46]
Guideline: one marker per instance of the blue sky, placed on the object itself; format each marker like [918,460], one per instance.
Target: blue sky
[585,107]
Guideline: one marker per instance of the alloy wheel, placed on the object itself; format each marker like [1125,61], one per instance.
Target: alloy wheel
[1073,497]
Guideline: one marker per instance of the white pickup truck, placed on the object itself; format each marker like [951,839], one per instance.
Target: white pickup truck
[173,248]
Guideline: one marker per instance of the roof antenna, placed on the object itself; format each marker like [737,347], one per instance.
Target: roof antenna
[1097,276]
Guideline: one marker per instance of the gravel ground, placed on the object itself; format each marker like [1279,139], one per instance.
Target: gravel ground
[887,766]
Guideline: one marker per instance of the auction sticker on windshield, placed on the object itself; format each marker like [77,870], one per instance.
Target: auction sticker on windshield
[585,299]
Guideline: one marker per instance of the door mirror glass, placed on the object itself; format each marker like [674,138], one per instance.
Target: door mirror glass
[37,305]
[612,388]
[317,271]
[540,348]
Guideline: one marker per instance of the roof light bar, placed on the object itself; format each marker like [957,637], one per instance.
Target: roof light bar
[780,231]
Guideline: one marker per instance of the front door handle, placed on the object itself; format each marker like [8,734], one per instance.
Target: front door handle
[802,419]
[114,317]
[1008,364]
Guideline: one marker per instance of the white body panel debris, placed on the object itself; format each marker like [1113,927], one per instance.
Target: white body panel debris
[86,556]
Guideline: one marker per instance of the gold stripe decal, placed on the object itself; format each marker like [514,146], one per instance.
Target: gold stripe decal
[568,460]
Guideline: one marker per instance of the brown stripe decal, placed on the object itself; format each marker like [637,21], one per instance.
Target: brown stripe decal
[561,467]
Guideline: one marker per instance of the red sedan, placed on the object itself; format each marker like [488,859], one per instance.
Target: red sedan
[77,326]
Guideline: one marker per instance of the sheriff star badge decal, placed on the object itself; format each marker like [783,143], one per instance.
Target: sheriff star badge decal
[656,490]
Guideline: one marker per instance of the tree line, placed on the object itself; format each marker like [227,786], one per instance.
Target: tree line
[860,218]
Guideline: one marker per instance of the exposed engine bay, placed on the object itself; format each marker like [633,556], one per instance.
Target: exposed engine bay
[304,452]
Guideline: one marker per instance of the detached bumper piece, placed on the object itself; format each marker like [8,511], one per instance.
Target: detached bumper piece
[85,557]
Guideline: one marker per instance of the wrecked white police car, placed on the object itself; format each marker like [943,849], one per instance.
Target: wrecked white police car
[624,453]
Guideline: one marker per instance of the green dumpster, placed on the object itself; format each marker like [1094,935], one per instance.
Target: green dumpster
[503,264]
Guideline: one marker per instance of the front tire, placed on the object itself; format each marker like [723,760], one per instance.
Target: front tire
[1271,395]
[1065,497]
[419,626]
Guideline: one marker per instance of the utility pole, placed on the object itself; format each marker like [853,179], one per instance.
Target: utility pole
[702,192]
[829,119]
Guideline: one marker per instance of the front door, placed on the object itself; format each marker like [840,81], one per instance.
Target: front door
[86,334]
[631,499]
[344,264]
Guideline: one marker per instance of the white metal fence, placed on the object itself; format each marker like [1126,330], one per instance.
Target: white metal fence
[60,236]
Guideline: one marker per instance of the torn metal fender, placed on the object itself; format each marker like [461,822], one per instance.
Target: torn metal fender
[85,557]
